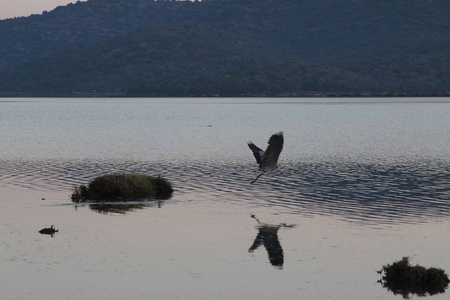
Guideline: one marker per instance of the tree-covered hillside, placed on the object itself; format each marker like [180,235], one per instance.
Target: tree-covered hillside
[271,79]
[178,48]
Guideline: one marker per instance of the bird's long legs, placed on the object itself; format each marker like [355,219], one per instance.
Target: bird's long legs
[254,180]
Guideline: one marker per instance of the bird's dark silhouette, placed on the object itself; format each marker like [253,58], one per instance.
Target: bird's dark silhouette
[267,160]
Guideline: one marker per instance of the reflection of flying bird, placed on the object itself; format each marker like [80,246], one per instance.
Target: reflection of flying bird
[268,159]
[268,236]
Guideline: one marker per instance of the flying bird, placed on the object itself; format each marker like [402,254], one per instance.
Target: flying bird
[268,159]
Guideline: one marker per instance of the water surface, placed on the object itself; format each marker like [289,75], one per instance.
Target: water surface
[365,182]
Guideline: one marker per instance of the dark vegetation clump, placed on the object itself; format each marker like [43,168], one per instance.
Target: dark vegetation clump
[123,187]
[402,278]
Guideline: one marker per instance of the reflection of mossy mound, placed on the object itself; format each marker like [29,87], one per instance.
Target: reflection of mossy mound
[402,278]
[123,187]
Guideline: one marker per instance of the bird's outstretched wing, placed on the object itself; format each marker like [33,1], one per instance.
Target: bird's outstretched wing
[257,153]
[270,157]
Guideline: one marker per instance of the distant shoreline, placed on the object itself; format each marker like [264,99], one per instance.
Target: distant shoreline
[281,95]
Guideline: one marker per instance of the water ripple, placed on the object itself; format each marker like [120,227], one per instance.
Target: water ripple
[372,193]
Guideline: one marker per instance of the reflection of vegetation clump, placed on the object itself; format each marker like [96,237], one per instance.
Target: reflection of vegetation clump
[402,278]
[123,187]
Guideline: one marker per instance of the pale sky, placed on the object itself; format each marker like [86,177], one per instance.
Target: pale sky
[24,8]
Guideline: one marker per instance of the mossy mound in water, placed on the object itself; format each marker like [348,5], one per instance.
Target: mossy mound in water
[123,187]
[402,278]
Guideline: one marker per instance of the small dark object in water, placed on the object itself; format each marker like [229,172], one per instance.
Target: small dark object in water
[402,278]
[51,230]
[123,187]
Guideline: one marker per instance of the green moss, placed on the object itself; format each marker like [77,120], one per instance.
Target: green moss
[402,278]
[123,187]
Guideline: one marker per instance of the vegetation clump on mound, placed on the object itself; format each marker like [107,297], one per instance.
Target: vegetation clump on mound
[123,187]
[402,278]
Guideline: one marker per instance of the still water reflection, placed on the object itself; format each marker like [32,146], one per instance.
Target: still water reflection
[268,236]
[371,187]
[121,208]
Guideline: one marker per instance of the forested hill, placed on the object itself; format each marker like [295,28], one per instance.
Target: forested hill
[229,47]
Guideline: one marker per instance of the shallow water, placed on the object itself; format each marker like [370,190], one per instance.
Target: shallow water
[364,182]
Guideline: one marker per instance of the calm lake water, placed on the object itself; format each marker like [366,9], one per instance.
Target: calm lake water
[365,182]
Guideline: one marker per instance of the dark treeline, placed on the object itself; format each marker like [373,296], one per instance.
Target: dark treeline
[233,47]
